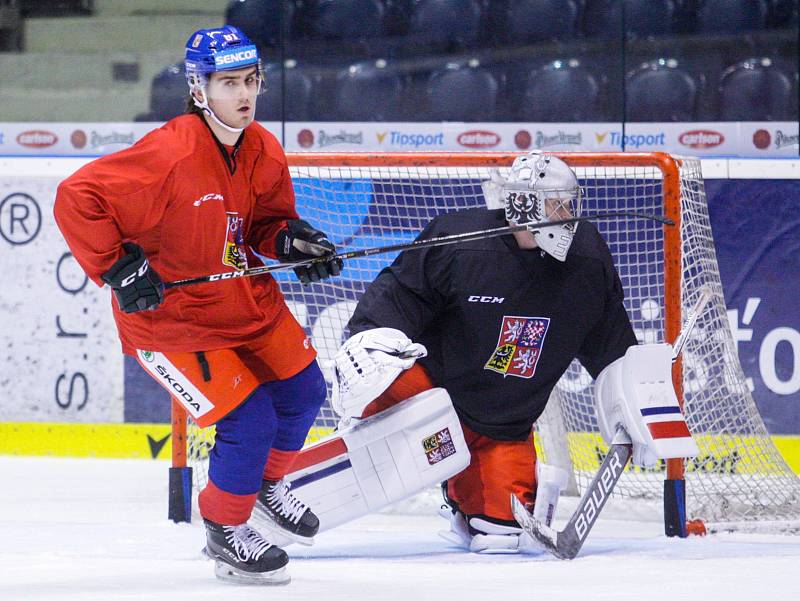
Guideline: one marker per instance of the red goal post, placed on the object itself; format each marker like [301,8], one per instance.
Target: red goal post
[363,198]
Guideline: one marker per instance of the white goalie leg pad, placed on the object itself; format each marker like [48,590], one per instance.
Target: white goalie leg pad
[382,459]
[367,364]
[636,392]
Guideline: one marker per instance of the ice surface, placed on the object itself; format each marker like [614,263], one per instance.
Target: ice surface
[86,529]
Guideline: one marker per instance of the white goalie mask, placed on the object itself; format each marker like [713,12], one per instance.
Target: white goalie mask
[541,188]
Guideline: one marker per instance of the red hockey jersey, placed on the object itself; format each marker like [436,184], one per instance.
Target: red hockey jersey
[195,207]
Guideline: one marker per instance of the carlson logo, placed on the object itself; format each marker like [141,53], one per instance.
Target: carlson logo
[37,138]
[701,138]
[478,139]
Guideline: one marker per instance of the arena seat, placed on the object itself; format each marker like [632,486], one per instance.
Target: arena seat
[460,92]
[346,19]
[261,20]
[757,90]
[367,91]
[445,25]
[532,21]
[563,90]
[295,84]
[168,93]
[661,90]
[731,16]
[643,18]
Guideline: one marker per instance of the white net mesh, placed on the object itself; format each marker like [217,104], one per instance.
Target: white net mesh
[739,475]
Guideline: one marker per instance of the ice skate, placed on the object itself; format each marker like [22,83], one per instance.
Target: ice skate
[242,555]
[279,512]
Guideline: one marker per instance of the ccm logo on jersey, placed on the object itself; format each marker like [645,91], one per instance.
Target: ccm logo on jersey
[591,509]
[485,299]
[212,196]
[176,386]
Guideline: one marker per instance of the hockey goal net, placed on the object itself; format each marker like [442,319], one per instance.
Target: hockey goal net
[364,201]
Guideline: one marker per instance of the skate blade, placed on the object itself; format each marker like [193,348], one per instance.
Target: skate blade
[274,533]
[228,573]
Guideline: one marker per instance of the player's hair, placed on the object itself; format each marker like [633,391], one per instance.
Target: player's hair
[191,107]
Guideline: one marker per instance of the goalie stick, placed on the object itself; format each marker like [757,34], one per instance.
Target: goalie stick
[567,543]
[428,242]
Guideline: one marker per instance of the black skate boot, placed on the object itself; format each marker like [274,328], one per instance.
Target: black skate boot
[282,514]
[242,555]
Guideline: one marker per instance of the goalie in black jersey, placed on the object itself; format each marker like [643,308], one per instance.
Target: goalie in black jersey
[496,322]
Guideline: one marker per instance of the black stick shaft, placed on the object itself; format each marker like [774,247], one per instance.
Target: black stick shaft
[429,242]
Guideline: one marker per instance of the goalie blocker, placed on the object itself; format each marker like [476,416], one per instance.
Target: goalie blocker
[380,460]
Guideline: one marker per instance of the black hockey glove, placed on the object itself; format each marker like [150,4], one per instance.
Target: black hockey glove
[299,242]
[136,285]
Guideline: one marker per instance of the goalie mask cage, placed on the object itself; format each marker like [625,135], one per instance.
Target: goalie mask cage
[365,200]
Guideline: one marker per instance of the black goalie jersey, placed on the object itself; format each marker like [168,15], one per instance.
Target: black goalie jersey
[501,324]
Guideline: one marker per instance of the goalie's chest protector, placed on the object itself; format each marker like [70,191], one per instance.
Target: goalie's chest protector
[511,321]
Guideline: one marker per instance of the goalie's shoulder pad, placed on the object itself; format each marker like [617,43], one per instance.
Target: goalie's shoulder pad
[367,364]
[636,391]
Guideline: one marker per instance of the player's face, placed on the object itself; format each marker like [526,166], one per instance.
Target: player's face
[559,205]
[232,95]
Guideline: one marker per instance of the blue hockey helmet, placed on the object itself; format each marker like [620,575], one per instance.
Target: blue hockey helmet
[222,49]
[212,50]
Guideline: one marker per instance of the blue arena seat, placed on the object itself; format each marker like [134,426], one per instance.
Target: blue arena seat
[368,91]
[564,90]
[261,20]
[661,90]
[350,20]
[532,21]
[445,25]
[643,18]
[168,93]
[783,14]
[290,82]
[731,16]
[460,92]
[757,90]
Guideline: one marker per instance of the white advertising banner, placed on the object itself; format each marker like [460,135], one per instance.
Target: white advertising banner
[744,139]
[463,137]
[60,359]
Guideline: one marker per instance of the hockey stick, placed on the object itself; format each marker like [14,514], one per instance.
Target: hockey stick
[437,241]
[566,543]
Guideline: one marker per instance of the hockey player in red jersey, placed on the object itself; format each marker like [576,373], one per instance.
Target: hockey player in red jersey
[501,319]
[210,189]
